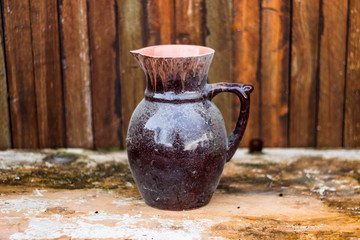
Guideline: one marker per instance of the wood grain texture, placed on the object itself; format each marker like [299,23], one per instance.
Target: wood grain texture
[160,22]
[5,135]
[47,72]
[190,22]
[219,25]
[352,103]
[76,73]
[67,77]
[332,73]
[105,75]
[20,74]
[304,66]
[275,72]
[132,79]
[246,44]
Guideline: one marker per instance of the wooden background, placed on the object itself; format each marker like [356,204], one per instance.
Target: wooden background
[67,78]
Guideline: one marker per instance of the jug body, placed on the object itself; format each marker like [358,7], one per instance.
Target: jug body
[176,152]
[176,142]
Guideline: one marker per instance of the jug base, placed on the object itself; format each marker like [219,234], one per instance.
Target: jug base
[179,207]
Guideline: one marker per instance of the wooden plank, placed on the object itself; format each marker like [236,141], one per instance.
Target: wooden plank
[132,78]
[332,73]
[275,71]
[352,102]
[5,138]
[76,73]
[20,74]
[190,22]
[304,66]
[105,75]
[246,38]
[47,72]
[219,25]
[160,22]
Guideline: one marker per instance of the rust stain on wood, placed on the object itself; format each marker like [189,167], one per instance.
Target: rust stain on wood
[47,73]
[332,73]
[105,73]
[304,63]
[352,94]
[20,74]
[246,43]
[76,73]
[275,39]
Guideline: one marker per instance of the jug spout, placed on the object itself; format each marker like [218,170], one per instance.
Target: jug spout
[174,68]
[135,52]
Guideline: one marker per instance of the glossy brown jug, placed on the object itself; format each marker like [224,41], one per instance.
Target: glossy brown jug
[176,141]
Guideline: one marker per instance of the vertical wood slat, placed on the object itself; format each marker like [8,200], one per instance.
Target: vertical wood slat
[275,71]
[352,103]
[76,73]
[20,74]
[130,14]
[332,73]
[219,21]
[47,72]
[304,60]
[160,22]
[246,37]
[5,139]
[105,73]
[190,22]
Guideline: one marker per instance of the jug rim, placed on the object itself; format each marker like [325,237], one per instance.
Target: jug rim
[177,50]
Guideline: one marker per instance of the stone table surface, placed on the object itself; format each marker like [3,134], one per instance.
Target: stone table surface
[82,194]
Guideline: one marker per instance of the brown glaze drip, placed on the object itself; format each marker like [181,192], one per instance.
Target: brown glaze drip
[162,70]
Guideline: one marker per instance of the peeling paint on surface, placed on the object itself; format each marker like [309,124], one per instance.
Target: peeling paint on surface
[303,194]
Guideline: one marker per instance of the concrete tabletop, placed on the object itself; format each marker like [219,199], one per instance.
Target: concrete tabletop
[82,194]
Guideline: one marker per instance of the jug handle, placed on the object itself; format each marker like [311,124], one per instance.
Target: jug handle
[243,92]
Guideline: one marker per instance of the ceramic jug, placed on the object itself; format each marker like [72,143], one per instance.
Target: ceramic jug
[176,142]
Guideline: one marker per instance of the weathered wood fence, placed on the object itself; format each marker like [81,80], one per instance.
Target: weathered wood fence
[67,78]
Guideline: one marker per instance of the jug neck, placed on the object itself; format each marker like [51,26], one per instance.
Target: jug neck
[174,78]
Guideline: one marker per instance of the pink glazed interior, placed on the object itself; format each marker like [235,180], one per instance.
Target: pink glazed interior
[174,51]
